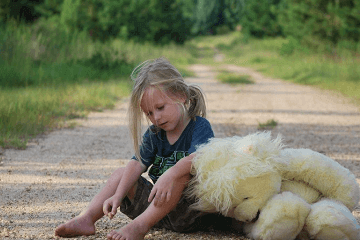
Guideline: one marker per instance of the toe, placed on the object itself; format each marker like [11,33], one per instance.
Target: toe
[110,235]
[117,236]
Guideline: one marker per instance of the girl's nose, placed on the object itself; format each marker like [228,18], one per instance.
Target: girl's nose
[157,116]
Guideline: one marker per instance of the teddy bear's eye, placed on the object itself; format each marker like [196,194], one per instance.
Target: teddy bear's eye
[246,198]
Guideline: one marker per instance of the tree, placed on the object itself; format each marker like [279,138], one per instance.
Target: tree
[24,10]
[211,14]
[316,21]
[259,19]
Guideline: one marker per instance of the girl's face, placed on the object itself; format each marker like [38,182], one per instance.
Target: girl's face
[163,109]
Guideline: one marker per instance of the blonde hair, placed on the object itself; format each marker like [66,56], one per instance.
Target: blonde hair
[161,73]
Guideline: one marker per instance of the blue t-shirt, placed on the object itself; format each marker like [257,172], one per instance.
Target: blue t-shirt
[158,152]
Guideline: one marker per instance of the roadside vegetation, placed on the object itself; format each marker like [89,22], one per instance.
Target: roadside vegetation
[268,125]
[338,70]
[335,68]
[234,78]
[49,76]
[60,59]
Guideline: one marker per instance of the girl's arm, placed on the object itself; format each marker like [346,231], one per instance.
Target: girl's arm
[131,174]
[161,192]
[181,168]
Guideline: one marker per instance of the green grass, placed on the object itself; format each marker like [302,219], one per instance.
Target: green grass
[203,48]
[268,125]
[26,112]
[233,78]
[336,71]
[49,76]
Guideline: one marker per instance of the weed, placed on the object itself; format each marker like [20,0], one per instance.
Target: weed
[233,78]
[287,59]
[270,124]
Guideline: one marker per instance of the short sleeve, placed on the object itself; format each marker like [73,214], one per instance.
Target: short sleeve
[147,148]
[202,133]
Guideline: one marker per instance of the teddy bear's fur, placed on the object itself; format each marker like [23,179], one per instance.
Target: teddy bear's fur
[298,192]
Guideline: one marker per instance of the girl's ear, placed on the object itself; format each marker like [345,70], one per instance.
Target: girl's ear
[182,98]
[178,97]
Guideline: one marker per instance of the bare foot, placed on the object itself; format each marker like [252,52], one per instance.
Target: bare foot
[78,226]
[132,231]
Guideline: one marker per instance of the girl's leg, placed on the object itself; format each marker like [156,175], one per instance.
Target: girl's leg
[138,228]
[84,223]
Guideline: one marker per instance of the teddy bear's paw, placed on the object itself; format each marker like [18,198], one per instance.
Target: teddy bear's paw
[330,220]
[283,217]
[246,212]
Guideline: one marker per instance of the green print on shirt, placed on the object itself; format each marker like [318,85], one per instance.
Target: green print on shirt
[161,164]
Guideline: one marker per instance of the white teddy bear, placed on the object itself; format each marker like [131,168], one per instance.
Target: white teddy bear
[279,193]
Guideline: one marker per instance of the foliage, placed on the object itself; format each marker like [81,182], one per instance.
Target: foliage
[211,15]
[320,22]
[155,21]
[258,18]
[46,54]
[49,8]
[24,10]
[49,74]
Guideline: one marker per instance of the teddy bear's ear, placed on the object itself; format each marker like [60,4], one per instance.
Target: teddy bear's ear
[208,155]
[260,145]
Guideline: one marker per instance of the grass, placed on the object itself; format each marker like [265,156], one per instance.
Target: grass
[336,71]
[270,124]
[49,76]
[26,112]
[282,58]
[203,48]
[233,78]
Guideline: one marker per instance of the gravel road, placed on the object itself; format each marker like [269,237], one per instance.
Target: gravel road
[59,173]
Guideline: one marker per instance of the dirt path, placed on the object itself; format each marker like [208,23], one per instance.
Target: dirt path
[58,174]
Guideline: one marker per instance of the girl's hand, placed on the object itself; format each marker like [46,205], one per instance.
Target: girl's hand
[110,206]
[161,192]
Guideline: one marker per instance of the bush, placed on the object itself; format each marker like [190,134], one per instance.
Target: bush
[259,19]
[320,22]
[289,47]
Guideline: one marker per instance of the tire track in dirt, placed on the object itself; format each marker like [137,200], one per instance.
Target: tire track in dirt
[59,173]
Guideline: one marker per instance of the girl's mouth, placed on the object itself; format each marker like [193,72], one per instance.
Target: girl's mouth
[162,124]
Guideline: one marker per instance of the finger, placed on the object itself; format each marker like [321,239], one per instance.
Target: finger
[152,195]
[157,202]
[168,196]
[162,197]
[107,208]
[159,199]
[156,199]
[114,211]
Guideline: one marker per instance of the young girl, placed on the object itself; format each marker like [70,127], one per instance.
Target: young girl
[176,111]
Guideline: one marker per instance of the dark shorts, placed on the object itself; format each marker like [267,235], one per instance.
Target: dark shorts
[180,219]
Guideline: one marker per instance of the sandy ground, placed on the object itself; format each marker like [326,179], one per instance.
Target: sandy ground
[59,173]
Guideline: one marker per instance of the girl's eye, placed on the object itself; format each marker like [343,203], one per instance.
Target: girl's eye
[149,114]
[161,108]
